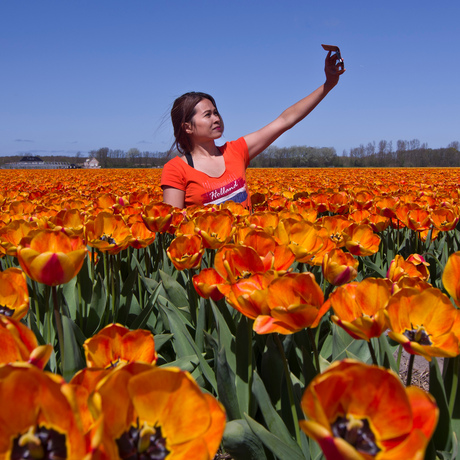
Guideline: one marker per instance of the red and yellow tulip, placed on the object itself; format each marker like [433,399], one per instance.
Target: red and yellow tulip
[14,296]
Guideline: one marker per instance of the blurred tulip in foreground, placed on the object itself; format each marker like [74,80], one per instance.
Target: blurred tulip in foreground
[360,412]
[14,296]
[451,277]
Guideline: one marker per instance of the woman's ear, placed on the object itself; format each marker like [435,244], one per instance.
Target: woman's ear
[187,128]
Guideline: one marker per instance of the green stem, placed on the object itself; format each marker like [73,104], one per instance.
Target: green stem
[287,375]
[453,390]
[410,366]
[59,329]
[371,349]
[398,360]
[314,348]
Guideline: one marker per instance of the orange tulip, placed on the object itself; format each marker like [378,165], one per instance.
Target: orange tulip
[284,304]
[141,236]
[12,234]
[444,219]
[305,238]
[451,277]
[116,344]
[414,266]
[108,232]
[186,252]
[157,413]
[36,419]
[19,344]
[360,412]
[359,307]
[424,322]
[51,257]
[360,240]
[208,283]
[71,220]
[158,217]
[339,267]
[216,228]
[14,296]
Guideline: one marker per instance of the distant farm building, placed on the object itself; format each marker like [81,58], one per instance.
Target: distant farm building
[35,162]
[91,164]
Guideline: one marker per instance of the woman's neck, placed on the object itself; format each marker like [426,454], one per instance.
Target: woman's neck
[205,149]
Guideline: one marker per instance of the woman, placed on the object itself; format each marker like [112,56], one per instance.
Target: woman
[207,174]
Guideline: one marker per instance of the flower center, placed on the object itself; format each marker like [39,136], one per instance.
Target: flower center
[40,443]
[6,311]
[356,432]
[142,443]
[108,238]
[418,335]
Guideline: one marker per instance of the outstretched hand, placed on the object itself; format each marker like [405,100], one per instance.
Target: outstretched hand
[333,68]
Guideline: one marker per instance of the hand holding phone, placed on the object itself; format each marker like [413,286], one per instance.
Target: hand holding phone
[336,50]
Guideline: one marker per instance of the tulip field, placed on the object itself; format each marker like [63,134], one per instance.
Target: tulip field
[130,329]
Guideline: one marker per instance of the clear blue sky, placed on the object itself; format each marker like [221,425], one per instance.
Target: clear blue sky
[81,75]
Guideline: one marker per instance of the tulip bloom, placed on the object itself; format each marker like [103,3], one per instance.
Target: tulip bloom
[116,344]
[360,412]
[186,252]
[207,284]
[36,419]
[14,296]
[158,217]
[339,267]
[19,343]
[424,322]
[359,307]
[51,257]
[215,228]
[414,266]
[360,240]
[158,413]
[451,277]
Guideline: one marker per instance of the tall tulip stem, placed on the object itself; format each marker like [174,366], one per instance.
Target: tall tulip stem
[372,351]
[314,348]
[287,375]
[59,329]
[410,366]
[453,391]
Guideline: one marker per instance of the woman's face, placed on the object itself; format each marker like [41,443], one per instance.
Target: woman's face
[206,124]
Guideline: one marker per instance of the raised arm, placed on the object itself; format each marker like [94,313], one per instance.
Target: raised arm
[261,139]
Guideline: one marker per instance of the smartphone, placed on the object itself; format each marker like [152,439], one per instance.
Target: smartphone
[335,49]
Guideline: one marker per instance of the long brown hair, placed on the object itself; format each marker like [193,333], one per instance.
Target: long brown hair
[183,110]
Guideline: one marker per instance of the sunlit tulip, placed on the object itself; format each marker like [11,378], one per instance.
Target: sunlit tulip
[158,217]
[287,304]
[71,220]
[305,240]
[444,219]
[248,295]
[273,255]
[414,266]
[116,344]
[233,262]
[386,206]
[451,277]
[207,284]
[141,236]
[335,225]
[215,229]
[14,296]
[359,307]
[19,344]
[377,222]
[424,323]
[418,220]
[362,412]
[186,252]
[36,418]
[360,240]
[363,200]
[160,413]
[108,232]
[339,267]
[51,257]
[12,234]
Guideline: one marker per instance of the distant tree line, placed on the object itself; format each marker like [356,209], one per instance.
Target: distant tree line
[406,154]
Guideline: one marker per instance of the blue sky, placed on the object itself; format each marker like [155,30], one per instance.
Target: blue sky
[81,75]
